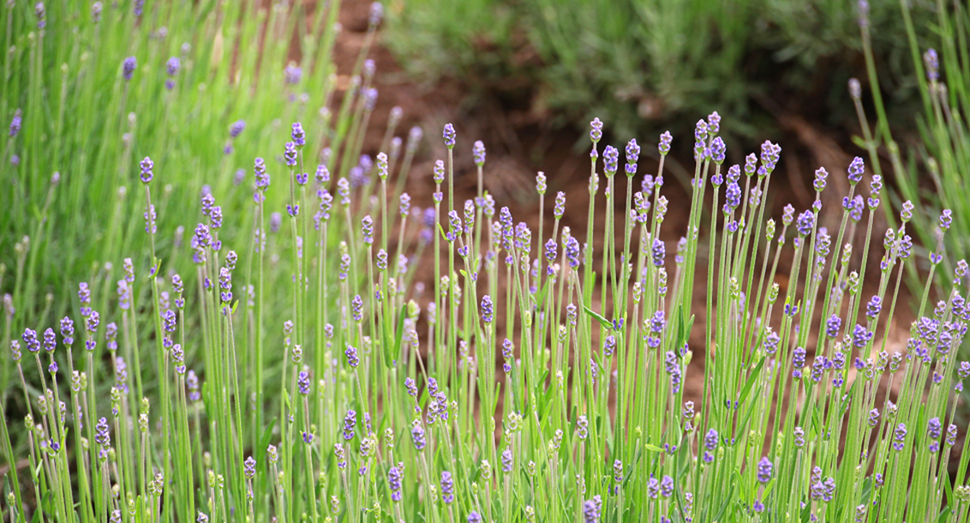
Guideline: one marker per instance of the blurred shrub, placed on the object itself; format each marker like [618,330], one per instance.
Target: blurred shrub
[640,62]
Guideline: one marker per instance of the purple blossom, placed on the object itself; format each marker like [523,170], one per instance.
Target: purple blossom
[449,136]
[128,67]
[764,470]
[806,221]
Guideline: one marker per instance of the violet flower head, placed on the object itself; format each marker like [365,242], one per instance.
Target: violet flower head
[411,387]
[932,62]
[417,437]
[667,486]
[591,512]
[352,358]
[860,336]
[658,252]
[664,145]
[611,158]
[303,383]
[946,219]
[478,153]
[933,430]
[856,169]
[449,136]
[609,345]
[710,445]
[596,130]
[146,166]
[297,134]
[289,154]
[67,331]
[487,309]
[560,208]
[805,223]
[820,176]
[551,251]
[367,229]
[873,417]
[249,467]
[732,196]
[764,470]
[632,155]
[292,74]
[172,67]
[50,340]
[899,437]
[507,461]
[394,483]
[15,123]
[237,128]
[439,172]
[718,150]
[474,517]
[873,307]
[832,326]
[350,421]
[128,67]
[375,15]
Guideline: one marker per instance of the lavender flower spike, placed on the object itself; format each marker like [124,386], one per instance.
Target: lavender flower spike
[449,136]
[128,67]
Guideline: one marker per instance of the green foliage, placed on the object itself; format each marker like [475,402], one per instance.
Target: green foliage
[82,120]
[637,63]
[935,171]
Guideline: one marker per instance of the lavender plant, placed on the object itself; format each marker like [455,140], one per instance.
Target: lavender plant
[539,380]
[943,82]
[90,88]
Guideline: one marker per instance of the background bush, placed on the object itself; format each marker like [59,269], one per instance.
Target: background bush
[640,64]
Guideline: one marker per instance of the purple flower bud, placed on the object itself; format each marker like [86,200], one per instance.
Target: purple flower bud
[667,486]
[665,140]
[658,252]
[856,169]
[717,150]
[487,309]
[297,134]
[128,67]
[303,383]
[292,74]
[596,132]
[146,170]
[417,437]
[350,420]
[591,511]
[394,483]
[764,470]
[15,123]
[449,136]
[946,219]
[873,307]
[932,62]
[611,158]
[899,437]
